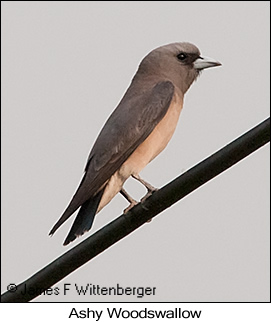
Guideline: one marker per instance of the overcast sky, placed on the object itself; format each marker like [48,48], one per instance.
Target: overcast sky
[65,67]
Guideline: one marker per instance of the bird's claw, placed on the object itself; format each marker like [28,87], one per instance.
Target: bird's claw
[132,204]
[149,193]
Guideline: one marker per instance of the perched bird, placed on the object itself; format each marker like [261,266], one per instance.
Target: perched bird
[136,132]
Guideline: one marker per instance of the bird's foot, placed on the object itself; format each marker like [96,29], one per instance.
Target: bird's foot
[132,204]
[130,199]
[149,193]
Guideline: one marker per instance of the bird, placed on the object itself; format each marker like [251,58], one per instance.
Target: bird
[136,132]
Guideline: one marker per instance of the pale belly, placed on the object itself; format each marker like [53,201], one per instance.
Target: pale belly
[145,153]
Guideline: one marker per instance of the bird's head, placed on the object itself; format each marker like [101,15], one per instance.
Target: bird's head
[180,63]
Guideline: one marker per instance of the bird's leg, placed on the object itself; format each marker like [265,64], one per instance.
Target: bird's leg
[129,198]
[148,186]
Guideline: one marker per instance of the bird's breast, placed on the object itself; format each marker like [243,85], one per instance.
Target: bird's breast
[145,152]
[156,141]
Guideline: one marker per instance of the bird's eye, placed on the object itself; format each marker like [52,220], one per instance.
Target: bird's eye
[182,56]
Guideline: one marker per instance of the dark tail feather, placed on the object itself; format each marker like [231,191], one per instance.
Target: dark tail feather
[84,219]
[74,204]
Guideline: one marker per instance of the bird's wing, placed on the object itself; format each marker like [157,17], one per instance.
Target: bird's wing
[128,126]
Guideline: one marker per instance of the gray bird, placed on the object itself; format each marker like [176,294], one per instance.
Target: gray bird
[136,132]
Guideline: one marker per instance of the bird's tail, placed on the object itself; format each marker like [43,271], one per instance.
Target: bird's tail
[84,219]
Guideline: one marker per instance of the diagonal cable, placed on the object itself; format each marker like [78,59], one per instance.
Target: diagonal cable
[137,216]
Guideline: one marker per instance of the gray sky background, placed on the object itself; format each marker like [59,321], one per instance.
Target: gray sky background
[65,67]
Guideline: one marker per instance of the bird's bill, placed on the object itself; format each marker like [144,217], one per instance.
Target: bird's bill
[205,62]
